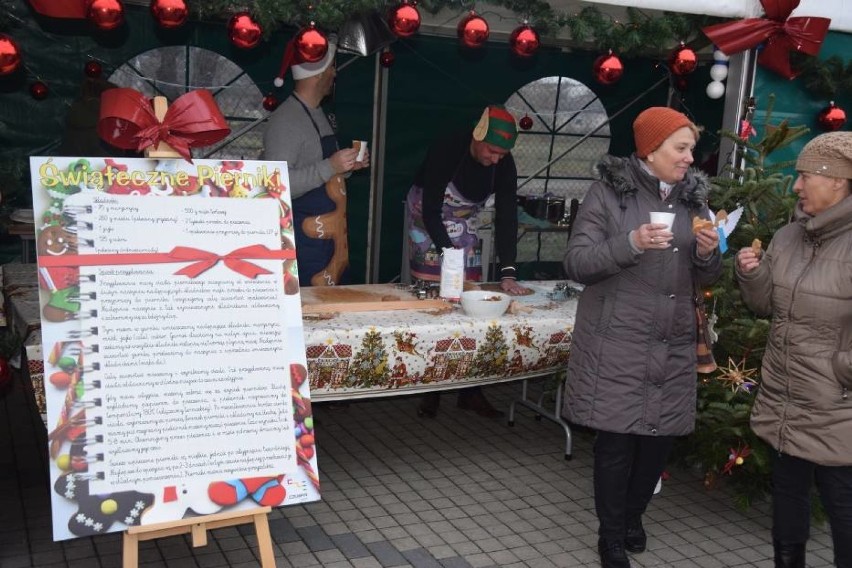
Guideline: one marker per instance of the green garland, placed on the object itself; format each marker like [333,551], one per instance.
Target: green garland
[828,78]
[590,28]
[638,32]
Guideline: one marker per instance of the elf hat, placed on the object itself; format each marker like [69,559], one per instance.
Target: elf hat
[496,126]
[304,70]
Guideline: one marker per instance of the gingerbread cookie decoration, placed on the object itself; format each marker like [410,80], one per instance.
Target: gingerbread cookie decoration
[331,226]
[61,282]
[265,491]
[97,513]
[178,502]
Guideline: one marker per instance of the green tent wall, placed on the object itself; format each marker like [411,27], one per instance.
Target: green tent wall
[433,86]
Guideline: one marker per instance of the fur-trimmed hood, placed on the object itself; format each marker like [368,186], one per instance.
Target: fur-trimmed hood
[625,176]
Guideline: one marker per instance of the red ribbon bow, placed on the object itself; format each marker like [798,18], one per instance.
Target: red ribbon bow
[128,121]
[202,260]
[779,33]
[60,8]
[233,260]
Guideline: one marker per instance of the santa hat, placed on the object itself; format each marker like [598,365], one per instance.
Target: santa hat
[304,70]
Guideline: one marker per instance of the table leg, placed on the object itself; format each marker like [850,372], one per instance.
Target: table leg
[538,407]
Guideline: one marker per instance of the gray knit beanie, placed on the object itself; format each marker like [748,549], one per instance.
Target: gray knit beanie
[828,155]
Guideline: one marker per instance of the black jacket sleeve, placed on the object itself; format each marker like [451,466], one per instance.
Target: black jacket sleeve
[506,215]
[435,174]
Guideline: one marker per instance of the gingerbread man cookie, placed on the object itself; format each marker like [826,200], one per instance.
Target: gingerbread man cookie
[331,226]
[63,283]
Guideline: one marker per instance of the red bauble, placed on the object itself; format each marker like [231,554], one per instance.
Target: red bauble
[243,31]
[404,19]
[106,15]
[832,117]
[608,69]
[525,123]
[270,102]
[473,30]
[682,61]
[10,55]
[311,44]
[170,14]
[524,41]
[39,91]
[93,69]
[387,58]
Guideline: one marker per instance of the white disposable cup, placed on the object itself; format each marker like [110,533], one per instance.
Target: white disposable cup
[361,146]
[663,217]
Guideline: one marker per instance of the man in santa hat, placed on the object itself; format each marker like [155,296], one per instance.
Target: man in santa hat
[300,133]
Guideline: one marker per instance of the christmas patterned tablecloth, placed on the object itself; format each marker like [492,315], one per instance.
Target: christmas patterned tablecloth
[368,354]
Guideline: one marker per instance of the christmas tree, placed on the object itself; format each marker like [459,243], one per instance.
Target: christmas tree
[723,446]
[492,355]
[370,364]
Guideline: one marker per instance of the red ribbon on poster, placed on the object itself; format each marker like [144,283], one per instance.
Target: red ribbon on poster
[127,120]
[202,260]
[60,8]
[779,33]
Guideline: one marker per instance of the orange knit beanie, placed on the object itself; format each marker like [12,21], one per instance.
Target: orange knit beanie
[654,125]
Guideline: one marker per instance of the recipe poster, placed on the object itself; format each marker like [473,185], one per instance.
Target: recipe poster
[172,333]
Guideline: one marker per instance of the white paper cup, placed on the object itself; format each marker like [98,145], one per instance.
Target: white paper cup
[664,218]
[361,146]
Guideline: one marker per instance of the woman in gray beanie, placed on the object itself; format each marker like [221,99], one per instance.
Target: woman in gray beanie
[803,408]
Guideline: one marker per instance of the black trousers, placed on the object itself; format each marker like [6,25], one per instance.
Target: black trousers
[626,470]
[792,479]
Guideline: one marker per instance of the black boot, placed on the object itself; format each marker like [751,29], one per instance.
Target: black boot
[473,399]
[789,554]
[635,540]
[429,405]
[612,554]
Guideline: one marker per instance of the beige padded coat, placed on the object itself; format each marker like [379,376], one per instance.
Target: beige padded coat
[804,403]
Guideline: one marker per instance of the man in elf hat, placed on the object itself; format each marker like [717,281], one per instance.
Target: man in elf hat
[461,172]
[300,133]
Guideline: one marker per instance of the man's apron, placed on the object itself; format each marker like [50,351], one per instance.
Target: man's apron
[461,219]
[319,218]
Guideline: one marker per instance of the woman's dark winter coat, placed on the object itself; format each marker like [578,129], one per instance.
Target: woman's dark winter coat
[632,367]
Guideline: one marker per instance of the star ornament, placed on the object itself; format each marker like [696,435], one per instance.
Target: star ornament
[735,458]
[737,377]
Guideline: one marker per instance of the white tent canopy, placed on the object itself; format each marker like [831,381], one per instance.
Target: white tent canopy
[839,11]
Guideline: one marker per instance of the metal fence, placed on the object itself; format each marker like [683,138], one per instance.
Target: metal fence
[563,112]
[175,70]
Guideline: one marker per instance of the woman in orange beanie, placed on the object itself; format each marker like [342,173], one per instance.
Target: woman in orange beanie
[632,372]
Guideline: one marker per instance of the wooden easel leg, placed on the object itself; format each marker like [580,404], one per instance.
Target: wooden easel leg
[198,527]
[264,540]
[131,551]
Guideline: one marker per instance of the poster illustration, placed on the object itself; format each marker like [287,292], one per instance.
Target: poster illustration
[173,346]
